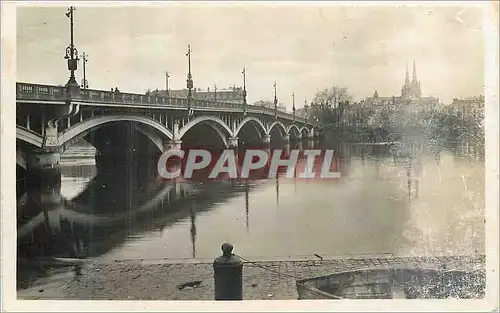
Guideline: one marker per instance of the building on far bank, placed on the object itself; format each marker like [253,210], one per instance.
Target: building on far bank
[411,95]
[228,95]
[464,104]
[470,107]
[270,104]
[264,103]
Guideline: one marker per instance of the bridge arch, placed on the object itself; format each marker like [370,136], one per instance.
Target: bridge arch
[216,123]
[294,127]
[280,125]
[83,128]
[305,130]
[255,122]
[29,136]
[151,135]
[315,130]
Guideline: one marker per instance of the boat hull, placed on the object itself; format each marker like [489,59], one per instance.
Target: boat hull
[395,283]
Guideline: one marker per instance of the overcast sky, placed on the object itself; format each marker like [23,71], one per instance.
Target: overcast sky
[302,47]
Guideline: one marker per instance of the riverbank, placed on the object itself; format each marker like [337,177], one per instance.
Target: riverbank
[161,280]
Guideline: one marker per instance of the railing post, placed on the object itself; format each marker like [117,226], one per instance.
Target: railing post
[228,275]
[51,93]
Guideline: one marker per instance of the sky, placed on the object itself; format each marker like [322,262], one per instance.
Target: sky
[303,47]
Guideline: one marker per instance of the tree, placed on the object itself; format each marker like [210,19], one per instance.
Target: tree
[329,104]
[331,97]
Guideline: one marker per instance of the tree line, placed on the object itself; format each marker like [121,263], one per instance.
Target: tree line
[354,122]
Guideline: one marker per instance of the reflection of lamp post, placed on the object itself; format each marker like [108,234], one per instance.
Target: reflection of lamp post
[193,231]
[244,92]
[189,80]
[277,192]
[275,102]
[246,205]
[71,52]
[85,83]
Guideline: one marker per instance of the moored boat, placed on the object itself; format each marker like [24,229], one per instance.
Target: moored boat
[395,283]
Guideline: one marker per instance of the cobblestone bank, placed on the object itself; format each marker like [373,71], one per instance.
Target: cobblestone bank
[122,280]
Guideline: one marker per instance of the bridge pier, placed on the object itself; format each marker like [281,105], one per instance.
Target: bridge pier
[232,142]
[286,138]
[44,163]
[50,135]
[43,179]
[286,149]
[43,176]
[266,139]
[311,142]
[172,144]
[308,140]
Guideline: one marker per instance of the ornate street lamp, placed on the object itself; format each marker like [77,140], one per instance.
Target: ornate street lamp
[244,92]
[85,83]
[189,80]
[72,56]
[293,106]
[167,92]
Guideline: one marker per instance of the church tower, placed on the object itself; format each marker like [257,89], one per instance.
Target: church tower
[415,84]
[406,90]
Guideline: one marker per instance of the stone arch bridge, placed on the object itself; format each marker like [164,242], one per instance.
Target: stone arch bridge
[49,119]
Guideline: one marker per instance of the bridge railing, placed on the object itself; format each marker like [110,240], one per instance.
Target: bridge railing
[26,91]
[40,92]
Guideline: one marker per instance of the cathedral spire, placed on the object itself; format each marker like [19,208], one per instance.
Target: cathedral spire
[414,78]
[407,77]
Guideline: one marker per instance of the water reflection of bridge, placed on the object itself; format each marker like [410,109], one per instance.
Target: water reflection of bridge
[122,203]
[112,209]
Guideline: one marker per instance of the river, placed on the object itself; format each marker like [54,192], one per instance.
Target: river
[378,206]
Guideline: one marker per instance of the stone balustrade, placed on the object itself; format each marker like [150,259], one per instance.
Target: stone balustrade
[38,92]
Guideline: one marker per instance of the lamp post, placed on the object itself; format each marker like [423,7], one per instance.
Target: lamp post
[275,102]
[215,92]
[293,106]
[85,83]
[167,91]
[72,55]
[167,76]
[189,80]
[244,92]
[305,110]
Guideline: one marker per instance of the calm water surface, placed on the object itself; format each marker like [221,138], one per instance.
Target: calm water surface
[380,205]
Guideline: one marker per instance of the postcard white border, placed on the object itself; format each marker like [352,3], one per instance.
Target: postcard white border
[8,206]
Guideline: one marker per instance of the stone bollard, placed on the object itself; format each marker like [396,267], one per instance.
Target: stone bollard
[228,275]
